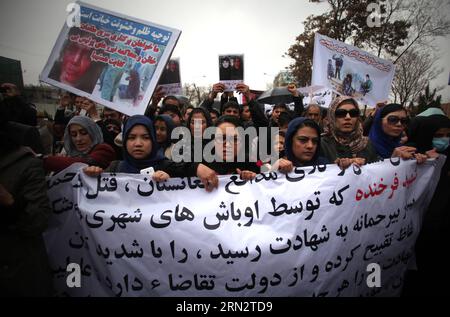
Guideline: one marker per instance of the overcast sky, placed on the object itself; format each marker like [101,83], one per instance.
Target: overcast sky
[262,30]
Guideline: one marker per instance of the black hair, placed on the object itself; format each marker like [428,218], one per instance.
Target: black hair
[284,118]
[280,105]
[215,111]
[231,104]
[229,119]
[392,107]
[187,107]
[169,97]
[171,108]
[204,112]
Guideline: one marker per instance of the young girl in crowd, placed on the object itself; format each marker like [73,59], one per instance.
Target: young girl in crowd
[164,126]
[141,151]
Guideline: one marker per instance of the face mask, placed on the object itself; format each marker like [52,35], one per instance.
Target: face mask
[441,144]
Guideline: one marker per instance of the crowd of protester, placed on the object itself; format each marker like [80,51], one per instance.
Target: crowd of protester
[33,147]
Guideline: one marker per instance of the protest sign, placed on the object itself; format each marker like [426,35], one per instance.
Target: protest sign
[170,80]
[113,59]
[349,71]
[231,70]
[322,97]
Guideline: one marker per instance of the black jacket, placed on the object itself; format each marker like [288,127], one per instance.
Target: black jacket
[24,268]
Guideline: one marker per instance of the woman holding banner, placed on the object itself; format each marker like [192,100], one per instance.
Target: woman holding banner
[142,154]
[344,142]
[83,142]
[431,136]
[231,153]
[386,131]
[302,144]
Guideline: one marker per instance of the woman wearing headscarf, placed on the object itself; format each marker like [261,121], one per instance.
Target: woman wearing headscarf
[142,151]
[386,132]
[431,136]
[302,144]
[344,142]
[111,128]
[429,132]
[83,142]
[164,126]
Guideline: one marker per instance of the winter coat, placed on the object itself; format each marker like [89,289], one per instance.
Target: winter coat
[24,268]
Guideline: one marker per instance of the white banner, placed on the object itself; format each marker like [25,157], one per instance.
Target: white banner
[321,97]
[347,70]
[317,231]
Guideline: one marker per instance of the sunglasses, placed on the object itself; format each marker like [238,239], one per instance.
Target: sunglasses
[395,119]
[342,113]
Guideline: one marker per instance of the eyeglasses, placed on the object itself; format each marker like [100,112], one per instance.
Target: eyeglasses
[230,139]
[395,119]
[342,113]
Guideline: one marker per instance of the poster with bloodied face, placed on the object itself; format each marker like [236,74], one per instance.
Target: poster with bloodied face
[112,59]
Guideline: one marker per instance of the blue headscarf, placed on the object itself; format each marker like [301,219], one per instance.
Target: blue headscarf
[130,164]
[170,125]
[383,143]
[291,131]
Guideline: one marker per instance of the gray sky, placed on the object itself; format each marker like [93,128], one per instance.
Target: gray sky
[262,30]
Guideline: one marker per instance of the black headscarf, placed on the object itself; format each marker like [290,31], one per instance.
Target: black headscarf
[383,143]
[293,127]
[422,129]
[130,164]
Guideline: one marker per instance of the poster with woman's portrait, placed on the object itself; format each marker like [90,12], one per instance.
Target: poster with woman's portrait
[110,58]
[170,80]
[231,70]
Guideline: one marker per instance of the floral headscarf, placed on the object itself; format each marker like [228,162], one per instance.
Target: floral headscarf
[355,139]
